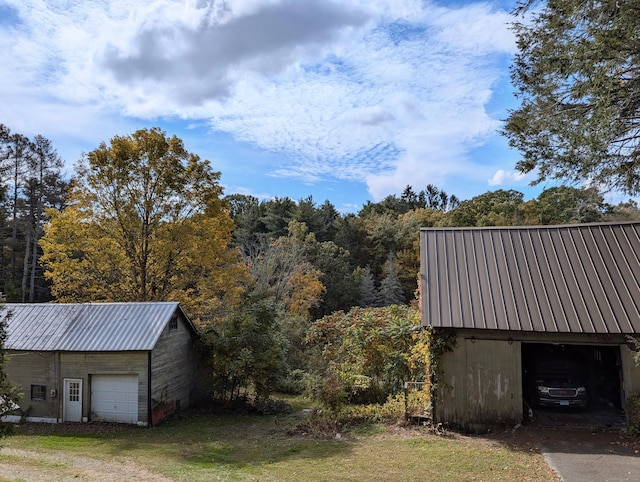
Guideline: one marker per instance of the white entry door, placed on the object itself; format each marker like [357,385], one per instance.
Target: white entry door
[72,400]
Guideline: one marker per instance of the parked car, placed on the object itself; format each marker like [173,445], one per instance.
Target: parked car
[560,384]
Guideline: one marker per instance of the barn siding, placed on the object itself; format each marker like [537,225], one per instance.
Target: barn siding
[83,365]
[33,368]
[481,384]
[173,367]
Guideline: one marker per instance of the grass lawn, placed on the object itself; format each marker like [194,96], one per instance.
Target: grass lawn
[234,447]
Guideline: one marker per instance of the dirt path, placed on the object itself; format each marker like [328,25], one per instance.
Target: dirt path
[37,466]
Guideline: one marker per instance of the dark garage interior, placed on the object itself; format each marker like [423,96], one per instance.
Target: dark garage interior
[571,384]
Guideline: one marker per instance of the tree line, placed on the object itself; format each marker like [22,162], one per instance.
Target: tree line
[123,201]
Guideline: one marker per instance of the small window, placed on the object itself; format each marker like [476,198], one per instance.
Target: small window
[173,324]
[38,392]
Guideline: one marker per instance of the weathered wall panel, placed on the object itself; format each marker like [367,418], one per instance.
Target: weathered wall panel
[631,373]
[482,384]
[173,366]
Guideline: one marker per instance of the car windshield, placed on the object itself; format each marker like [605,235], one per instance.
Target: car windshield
[560,382]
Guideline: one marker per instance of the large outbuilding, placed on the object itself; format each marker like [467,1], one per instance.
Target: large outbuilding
[117,362]
[508,299]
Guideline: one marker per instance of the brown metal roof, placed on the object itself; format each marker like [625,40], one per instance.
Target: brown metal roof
[571,279]
[87,326]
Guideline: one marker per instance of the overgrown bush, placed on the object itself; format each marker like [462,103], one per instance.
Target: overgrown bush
[294,383]
[632,409]
[369,354]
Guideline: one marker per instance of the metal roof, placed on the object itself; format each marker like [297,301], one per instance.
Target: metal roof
[568,279]
[87,326]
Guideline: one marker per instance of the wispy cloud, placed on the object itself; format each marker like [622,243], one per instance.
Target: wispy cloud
[501,177]
[389,92]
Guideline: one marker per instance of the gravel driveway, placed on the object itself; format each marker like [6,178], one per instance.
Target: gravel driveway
[36,466]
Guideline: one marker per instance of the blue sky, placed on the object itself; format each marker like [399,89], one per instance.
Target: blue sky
[346,100]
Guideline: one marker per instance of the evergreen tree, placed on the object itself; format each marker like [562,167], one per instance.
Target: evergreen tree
[390,287]
[369,295]
[577,74]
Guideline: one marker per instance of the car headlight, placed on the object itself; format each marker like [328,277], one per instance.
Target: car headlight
[542,389]
[581,390]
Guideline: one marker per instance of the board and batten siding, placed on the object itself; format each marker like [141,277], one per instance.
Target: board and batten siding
[173,367]
[480,384]
[83,365]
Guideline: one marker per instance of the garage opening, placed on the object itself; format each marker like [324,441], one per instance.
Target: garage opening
[564,383]
[114,398]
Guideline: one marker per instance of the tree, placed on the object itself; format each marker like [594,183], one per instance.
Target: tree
[390,287]
[19,153]
[577,75]
[281,273]
[566,205]
[145,223]
[368,293]
[246,350]
[333,262]
[41,187]
[493,208]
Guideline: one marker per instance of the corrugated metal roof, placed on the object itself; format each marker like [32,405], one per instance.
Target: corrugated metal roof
[87,326]
[571,279]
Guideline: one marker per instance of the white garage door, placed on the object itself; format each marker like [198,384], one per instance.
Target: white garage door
[114,398]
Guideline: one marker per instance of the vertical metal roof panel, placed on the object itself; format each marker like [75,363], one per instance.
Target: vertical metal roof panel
[87,326]
[571,278]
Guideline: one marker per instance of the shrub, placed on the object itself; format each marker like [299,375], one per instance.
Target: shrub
[632,409]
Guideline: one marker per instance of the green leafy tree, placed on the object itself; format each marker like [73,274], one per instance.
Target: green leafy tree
[278,212]
[577,76]
[246,350]
[566,205]
[336,275]
[145,223]
[493,208]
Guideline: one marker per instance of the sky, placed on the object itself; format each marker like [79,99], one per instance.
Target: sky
[348,100]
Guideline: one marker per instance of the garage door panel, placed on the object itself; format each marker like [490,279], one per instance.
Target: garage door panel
[114,398]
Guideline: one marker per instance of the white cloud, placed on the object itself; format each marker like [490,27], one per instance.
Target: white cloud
[392,92]
[501,177]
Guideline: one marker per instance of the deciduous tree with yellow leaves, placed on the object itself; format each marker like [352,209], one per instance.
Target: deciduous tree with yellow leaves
[145,222]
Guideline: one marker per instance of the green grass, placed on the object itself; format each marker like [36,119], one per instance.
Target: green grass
[233,447]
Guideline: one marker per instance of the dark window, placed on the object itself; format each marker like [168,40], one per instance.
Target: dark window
[38,392]
[173,324]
